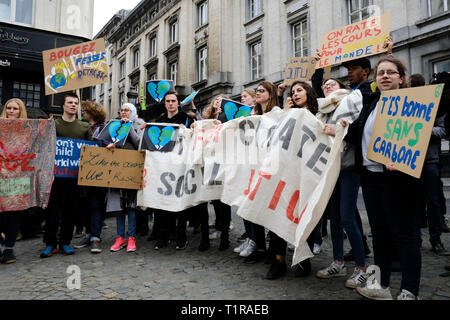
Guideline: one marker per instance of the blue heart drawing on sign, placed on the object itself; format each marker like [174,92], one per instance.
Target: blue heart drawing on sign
[158,90]
[118,130]
[233,112]
[160,137]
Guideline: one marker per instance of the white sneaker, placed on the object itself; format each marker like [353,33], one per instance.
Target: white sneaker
[215,235]
[249,249]
[242,246]
[357,279]
[231,227]
[333,271]
[406,295]
[374,291]
[317,248]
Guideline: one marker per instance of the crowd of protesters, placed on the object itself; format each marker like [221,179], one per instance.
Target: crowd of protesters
[397,204]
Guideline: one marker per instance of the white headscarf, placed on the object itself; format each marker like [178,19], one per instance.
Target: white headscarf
[133,114]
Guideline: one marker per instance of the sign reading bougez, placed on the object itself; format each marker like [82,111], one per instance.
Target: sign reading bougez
[74,67]
[403,126]
[232,110]
[67,157]
[158,137]
[156,90]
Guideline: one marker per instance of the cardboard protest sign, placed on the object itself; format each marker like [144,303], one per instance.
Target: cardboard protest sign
[118,168]
[233,110]
[279,169]
[188,99]
[159,137]
[361,39]
[403,126]
[27,157]
[116,131]
[299,68]
[67,157]
[156,90]
[74,67]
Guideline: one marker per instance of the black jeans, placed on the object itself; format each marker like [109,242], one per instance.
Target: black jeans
[10,225]
[62,210]
[392,204]
[431,190]
[166,219]
[93,211]
[223,217]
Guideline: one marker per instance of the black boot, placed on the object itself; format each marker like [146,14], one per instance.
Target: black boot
[277,270]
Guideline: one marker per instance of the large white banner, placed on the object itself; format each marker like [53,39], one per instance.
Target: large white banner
[279,169]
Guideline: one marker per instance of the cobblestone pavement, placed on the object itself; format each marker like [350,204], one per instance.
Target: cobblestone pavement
[189,274]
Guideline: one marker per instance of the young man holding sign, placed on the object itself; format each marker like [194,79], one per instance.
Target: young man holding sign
[64,194]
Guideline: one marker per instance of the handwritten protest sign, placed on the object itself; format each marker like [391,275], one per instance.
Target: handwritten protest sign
[403,126]
[159,137]
[360,39]
[156,90]
[279,169]
[116,131]
[74,67]
[233,110]
[117,168]
[27,157]
[299,68]
[67,158]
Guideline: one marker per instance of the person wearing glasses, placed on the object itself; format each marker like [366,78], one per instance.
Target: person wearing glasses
[128,199]
[342,103]
[392,198]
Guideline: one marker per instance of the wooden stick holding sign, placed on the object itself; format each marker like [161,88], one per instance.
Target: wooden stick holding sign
[403,126]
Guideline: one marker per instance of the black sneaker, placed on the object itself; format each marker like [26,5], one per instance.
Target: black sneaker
[204,245]
[224,245]
[8,256]
[181,245]
[303,269]
[255,256]
[269,257]
[161,244]
[444,227]
[277,270]
[439,249]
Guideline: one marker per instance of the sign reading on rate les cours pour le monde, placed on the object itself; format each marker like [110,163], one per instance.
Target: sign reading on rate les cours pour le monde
[74,67]
[403,126]
[361,39]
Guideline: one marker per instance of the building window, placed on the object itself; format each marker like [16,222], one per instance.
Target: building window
[359,10]
[202,63]
[110,80]
[442,66]
[121,99]
[437,6]
[153,14]
[122,69]
[102,88]
[29,93]
[300,39]
[256,60]
[254,8]
[136,58]
[173,32]
[202,11]
[94,93]
[173,70]
[152,76]
[18,11]
[153,44]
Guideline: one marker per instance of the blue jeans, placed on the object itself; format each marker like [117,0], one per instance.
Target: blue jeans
[120,217]
[343,216]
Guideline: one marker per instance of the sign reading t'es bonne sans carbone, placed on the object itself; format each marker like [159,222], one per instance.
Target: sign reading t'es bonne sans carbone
[403,126]
[361,39]
[74,67]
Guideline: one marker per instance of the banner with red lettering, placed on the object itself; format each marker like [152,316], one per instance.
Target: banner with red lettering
[279,169]
[27,158]
[74,67]
[361,39]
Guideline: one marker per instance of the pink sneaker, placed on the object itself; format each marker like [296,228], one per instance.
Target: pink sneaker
[119,244]
[131,244]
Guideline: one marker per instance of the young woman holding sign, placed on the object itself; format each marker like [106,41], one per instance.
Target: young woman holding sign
[10,220]
[391,197]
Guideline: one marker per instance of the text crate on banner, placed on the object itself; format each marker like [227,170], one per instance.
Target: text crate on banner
[74,67]
[27,157]
[67,158]
[117,168]
[361,39]
[403,126]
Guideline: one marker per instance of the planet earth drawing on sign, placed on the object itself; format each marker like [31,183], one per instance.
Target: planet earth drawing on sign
[232,111]
[118,130]
[160,137]
[58,81]
[158,90]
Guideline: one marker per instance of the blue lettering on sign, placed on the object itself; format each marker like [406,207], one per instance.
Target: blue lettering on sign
[391,151]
